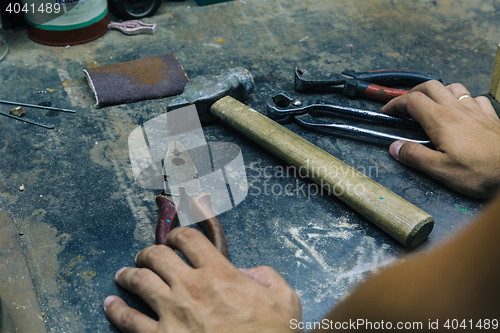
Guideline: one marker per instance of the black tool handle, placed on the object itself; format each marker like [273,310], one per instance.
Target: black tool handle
[166,218]
[391,77]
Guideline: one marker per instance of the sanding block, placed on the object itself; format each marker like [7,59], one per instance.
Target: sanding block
[132,81]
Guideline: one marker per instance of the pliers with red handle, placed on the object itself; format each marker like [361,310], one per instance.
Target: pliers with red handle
[183,199]
[364,84]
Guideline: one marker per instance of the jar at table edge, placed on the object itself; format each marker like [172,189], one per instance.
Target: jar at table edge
[3,42]
[75,22]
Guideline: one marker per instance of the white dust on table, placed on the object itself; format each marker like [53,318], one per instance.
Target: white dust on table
[75,90]
[341,271]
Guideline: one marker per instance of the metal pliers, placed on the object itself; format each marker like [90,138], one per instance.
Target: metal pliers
[183,200]
[364,84]
[283,108]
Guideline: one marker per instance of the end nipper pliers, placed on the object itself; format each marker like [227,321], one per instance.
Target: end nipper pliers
[283,108]
[362,84]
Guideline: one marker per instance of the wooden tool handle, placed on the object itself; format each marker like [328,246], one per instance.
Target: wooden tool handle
[166,218]
[200,207]
[405,222]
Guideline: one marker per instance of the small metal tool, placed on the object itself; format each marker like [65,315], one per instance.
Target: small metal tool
[37,106]
[133,27]
[284,108]
[33,106]
[27,121]
[352,132]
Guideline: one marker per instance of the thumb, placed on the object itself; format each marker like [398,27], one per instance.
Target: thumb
[265,276]
[417,156]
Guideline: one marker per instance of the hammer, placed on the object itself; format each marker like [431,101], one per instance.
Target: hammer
[216,97]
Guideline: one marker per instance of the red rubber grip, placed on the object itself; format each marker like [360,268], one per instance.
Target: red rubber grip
[383,94]
[166,218]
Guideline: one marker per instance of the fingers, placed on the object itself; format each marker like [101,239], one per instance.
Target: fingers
[423,103]
[485,105]
[269,278]
[163,261]
[146,284]
[480,103]
[195,247]
[440,94]
[127,320]
[463,96]
[419,157]
[420,103]
[266,276]
[458,90]
[414,105]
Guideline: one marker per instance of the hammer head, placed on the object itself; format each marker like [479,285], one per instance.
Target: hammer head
[204,90]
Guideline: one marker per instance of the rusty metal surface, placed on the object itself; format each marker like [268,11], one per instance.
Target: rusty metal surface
[81,217]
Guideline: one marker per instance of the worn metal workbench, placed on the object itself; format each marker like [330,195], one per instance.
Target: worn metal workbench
[81,217]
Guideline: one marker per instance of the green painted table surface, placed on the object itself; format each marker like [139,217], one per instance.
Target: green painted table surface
[81,217]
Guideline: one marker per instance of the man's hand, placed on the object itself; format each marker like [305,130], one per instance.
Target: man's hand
[465,132]
[212,296]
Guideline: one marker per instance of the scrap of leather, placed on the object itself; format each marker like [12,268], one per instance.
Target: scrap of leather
[132,81]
